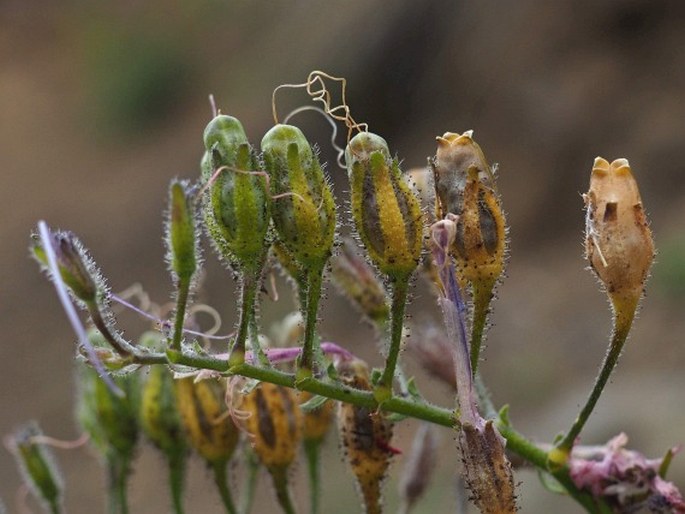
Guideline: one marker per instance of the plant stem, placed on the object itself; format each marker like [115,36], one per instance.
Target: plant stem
[176,481]
[306,360]
[311,450]
[622,324]
[280,477]
[248,293]
[383,390]
[482,295]
[181,304]
[221,481]
[253,466]
[117,476]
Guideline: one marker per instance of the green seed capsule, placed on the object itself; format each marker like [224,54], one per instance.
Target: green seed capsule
[305,216]
[238,207]
[159,416]
[37,467]
[385,211]
[110,421]
[181,240]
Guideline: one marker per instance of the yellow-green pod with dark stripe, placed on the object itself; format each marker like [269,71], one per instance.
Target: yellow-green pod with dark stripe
[275,424]
[209,429]
[304,216]
[386,213]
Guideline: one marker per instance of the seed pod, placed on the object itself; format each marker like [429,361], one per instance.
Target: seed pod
[37,466]
[181,240]
[356,280]
[386,213]
[618,241]
[465,186]
[487,470]
[110,421]
[365,435]
[209,429]
[76,267]
[275,424]
[236,211]
[317,422]
[159,415]
[305,217]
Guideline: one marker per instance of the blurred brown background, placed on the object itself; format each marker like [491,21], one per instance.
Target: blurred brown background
[101,104]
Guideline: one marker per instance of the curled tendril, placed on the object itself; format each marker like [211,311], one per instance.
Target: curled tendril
[318,91]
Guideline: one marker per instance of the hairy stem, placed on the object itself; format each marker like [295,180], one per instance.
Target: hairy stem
[383,390]
[117,477]
[248,294]
[176,481]
[312,452]
[280,477]
[181,304]
[622,325]
[306,361]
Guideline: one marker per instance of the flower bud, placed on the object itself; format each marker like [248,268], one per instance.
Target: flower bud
[386,213]
[365,435]
[209,429]
[304,216]
[76,267]
[159,415]
[618,241]
[181,240]
[37,466]
[237,209]
[487,471]
[111,421]
[356,280]
[465,186]
[275,424]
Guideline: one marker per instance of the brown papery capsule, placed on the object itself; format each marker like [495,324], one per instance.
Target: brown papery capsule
[365,435]
[618,241]
[465,186]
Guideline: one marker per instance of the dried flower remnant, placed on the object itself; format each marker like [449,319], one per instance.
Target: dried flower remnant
[356,280]
[420,466]
[465,186]
[487,470]
[365,435]
[624,478]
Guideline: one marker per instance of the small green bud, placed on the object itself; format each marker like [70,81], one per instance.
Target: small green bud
[304,216]
[181,239]
[238,208]
[76,268]
[37,467]
[110,421]
[385,211]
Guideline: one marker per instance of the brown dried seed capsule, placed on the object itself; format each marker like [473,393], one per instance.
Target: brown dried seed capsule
[618,241]
[317,421]
[275,424]
[365,435]
[465,186]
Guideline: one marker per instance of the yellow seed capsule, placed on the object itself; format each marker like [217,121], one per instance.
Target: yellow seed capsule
[465,186]
[317,421]
[365,435]
[209,428]
[618,241]
[385,211]
[275,424]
